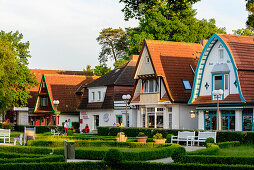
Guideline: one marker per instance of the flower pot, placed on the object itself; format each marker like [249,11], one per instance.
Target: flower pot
[122,138]
[159,140]
[142,139]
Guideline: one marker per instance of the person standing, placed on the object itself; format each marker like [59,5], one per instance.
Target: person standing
[66,127]
[69,124]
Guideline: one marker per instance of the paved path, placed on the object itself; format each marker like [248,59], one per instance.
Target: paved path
[170,160]
[81,160]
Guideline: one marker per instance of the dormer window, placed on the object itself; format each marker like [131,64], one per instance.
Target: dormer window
[43,84]
[99,95]
[44,101]
[221,53]
[93,96]
[186,84]
[147,60]
[217,82]
[151,86]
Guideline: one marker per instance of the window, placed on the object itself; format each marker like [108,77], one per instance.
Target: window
[99,95]
[147,60]
[93,96]
[226,81]
[210,120]
[43,84]
[221,53]
[151,86]
[217,82]
[228,119]
[186,84]
[170,117]
[44,101]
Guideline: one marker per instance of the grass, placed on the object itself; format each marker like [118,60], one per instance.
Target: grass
[243,150]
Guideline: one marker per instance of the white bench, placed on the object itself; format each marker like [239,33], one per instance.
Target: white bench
[18,140]
[184,136]
[53,132]
[202,136]
[5,134]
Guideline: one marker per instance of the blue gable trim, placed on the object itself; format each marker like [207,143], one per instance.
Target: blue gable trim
[216,38]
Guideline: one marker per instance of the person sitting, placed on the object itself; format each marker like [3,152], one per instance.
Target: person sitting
[86,129]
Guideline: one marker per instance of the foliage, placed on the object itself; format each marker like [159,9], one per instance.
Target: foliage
[101,70]
[113,156]
[168,138]
[141,134]
[14,73]
[70,133]
[88,69]
[209,140]
[212,150]
[39,129]
[120,133]
[113,42]
[55,158]
[167,20]
[250,9]
[243,31]
[228,144]
[26,149]
[120,62]
[75,125]
[8,126]
[178,154]
[158,136]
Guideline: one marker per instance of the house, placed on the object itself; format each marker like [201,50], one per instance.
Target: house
[164,75]
[226,63]
[102,103]
[59,85]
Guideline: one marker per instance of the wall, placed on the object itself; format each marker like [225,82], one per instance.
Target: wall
[102,89]
[22,117]
[186,122]
[63,117]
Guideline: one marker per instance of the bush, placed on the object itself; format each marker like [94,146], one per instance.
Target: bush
[209,140]
[26,149]
[39,129]
[75,125]
[70,133]
[113,156]
[178,154]
[53,158]
[168,138]
[158,136]
[8,126]
[228,144]
[212,150]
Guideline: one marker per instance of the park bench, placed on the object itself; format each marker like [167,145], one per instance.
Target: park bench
[202,136]
[184,136]
[53,132]
[18,139]
[5,134]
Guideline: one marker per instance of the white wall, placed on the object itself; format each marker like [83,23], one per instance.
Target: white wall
[201,119]
[101,89]
[238,120]
[213,58]
[63,117]
[175,116]
[186,122]
[22,117]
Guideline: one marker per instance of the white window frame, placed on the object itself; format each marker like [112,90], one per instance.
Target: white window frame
[215,80]
[147,60]
[146,88]
[44,101]
[99,95]
[221,53]
[226,81]
[186,83]
[93,96]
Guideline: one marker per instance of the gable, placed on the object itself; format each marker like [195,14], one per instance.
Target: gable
[215,59]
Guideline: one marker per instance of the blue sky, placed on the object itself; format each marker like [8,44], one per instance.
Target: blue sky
[62,33]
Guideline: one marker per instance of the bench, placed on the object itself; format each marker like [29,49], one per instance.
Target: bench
[202,136]
[5,134]
[184,136]
[53,132]
[18,140]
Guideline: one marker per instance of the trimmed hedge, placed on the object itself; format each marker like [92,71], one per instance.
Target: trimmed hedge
[39,129]
[55,158]
[222,136]
[211,159]
[18,155]
[228,144]
[25,149]
[207,151]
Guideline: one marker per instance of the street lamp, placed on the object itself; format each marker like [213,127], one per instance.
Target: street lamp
[192,114]
[126,98]
[217,94]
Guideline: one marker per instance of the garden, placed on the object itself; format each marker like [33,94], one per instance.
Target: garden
[233,150]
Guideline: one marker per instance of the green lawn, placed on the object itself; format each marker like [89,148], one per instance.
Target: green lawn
[243,150]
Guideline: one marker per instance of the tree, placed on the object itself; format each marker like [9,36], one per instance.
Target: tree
[101,70]
[120,62]
[113,42]
[243,31]
[250,9]
[169,20]
[15,77]
[88,69]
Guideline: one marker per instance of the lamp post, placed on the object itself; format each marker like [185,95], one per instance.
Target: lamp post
[56,103]
[217,94]
[126,98]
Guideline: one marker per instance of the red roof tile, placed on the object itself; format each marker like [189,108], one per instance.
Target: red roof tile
[232,98]
[172,60]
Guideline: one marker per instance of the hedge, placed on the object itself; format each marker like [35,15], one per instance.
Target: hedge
[39,129]
[207,151]
[18,155]
[211,159]
[88,143]
[26,149]
[228,144]
[222,136]
[53,158]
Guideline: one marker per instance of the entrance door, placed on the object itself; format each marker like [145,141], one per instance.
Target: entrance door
[96,122]
[151,121]
[248,119]
[228,120]
[210,120]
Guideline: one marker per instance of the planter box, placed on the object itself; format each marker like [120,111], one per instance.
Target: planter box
[122,138]
[142,139]
[159,140]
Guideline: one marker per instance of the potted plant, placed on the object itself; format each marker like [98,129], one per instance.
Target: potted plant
[141,137]
[121,137]
[158,138]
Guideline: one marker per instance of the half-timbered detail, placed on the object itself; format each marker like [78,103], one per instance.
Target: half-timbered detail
[164,76]
[226,64]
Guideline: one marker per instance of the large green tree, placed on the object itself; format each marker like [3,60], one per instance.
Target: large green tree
[15,77]
[101,70]
[113,44]
[168,20]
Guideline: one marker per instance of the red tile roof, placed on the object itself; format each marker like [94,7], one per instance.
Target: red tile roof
[172,61]
[232,98]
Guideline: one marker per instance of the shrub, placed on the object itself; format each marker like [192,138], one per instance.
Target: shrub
[178,154]
[158,136]
[213,150]
[209,140]
[8,126]
[26,149]
[228,144]
[70,133]
[75,125]
[141,134]
[113,156]
[169,138]
[39,129]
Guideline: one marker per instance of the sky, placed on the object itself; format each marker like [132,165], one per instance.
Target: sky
[62,33]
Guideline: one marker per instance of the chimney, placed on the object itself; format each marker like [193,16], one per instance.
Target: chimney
[203,42]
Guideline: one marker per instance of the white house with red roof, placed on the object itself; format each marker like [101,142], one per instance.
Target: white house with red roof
[226,64]
[164,76]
